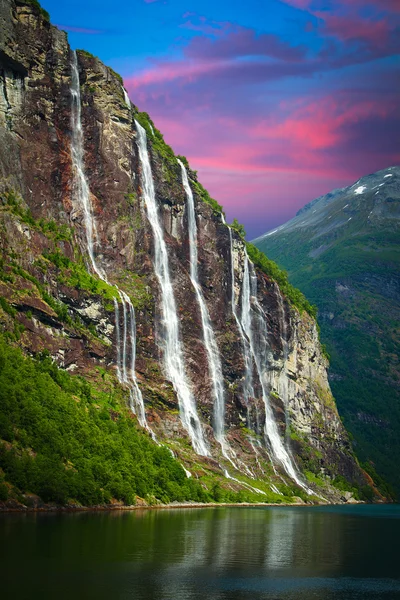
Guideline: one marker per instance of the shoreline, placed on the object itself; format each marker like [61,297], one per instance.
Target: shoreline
[132,508]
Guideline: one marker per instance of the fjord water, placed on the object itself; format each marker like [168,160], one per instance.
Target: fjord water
[274,553]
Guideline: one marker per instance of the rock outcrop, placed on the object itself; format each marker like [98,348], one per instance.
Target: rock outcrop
[59,303]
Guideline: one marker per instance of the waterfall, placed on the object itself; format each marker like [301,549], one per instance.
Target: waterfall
[128,370]
[283,385]
[82,194]
[170,335]
[213,356]
[80,184]
[248,389]
[254,326]
[118,333]
[126,98]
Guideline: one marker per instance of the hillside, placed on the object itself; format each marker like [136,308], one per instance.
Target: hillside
[342,250]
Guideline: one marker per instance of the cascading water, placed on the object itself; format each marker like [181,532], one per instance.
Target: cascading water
[214,361]
[248,389]
[126,98]
[170,335]
[283,387]
[128,370]
[80,185]
[258,340]
[82,194]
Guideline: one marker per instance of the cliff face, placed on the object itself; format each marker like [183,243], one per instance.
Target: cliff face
[64,306]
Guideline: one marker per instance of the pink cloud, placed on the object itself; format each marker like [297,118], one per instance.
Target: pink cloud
[166,71]
[239,41]
[276,164]
[252,117]
[315,5]
[349,28]
[346,20]
[322,124]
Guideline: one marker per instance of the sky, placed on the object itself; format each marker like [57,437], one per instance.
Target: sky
[273,102]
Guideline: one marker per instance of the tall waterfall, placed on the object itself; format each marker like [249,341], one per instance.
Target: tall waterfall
[126,372]
[254,326]
[80,184]
[283,382]
[172,347]
[248,389]
[213,356]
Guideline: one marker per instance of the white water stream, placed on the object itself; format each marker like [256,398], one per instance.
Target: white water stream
[174,362]
[254,326]
[283,382]
[210,343]
[126,372]
[248,389]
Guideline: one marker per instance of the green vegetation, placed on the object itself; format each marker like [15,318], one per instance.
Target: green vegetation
[38,7]
[131,198]
[157,138]
[383,486]
[270,268]
[238,227]
[76,275]
[10,310]
[66,441]
[117,75]
[69,441]
[11,199]
[183,160]
[205,196]
[59,307]
[86,53]
[137,288]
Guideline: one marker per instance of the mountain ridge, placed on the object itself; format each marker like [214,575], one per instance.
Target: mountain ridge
[346,261]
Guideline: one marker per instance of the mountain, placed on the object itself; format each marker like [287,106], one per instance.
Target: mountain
[147,353]
[342,250]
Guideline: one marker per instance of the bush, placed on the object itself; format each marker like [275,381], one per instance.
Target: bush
[38,7]
[63,444]
[239,228]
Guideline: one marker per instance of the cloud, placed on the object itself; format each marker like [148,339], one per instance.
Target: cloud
[84,30]
[350,5]
[270,124]
[237,41]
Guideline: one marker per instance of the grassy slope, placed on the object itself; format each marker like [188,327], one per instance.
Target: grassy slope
[362,337]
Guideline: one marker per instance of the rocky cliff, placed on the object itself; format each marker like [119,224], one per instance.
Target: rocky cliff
[93,296]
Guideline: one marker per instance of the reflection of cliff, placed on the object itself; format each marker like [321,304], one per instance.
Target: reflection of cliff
[222,554]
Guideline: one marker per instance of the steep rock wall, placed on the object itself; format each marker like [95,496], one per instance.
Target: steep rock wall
[78,326]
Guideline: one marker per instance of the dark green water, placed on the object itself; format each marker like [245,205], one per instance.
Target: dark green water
[274,553]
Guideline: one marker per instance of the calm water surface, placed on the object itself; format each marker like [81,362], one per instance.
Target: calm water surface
[279,553]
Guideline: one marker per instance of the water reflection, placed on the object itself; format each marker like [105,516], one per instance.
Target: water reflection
[222,554]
